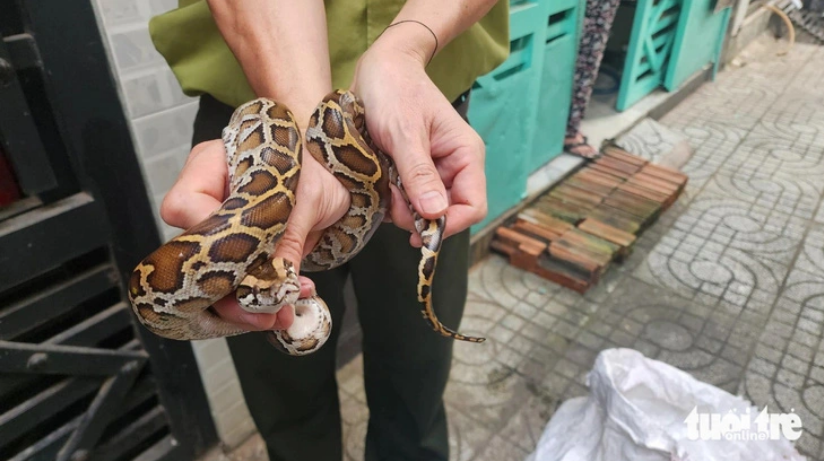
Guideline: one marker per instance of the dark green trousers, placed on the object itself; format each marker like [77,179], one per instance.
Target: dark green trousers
[294,400]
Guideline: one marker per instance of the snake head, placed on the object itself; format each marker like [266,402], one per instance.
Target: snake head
[268,288]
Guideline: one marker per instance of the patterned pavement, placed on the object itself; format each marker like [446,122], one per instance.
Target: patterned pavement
[728,285]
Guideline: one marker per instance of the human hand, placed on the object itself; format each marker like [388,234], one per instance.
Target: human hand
[201,188]
[440,158]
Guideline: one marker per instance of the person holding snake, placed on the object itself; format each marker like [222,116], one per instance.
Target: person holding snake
[263,67]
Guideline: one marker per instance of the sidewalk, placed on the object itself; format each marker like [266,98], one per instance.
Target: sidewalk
[728,285]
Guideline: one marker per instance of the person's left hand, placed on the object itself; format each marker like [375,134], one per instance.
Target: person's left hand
[440,158]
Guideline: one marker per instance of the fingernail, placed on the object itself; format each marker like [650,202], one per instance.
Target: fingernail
[432,202]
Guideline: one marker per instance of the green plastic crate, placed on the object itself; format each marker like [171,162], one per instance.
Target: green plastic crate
[502,111]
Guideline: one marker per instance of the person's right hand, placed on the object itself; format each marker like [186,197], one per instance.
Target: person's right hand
[283,49]
[201,188]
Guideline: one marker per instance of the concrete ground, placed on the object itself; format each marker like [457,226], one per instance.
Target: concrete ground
[728,285]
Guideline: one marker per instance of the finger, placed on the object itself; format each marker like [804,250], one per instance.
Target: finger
[200,188]
[399,210]
[419,176]
[285,318]
[291,243]
[459,218]
[402,216]
[307,287]
[311,241]
[229,310]
[468,199]
[302,218]
[330,198]
[415,240]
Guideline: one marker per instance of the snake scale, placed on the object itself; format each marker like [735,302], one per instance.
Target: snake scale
[172,290]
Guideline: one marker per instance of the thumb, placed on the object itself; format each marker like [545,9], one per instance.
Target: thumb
[420,178]
[291,243]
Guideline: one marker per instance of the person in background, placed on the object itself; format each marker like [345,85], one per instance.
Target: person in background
[598,20]
[412,64]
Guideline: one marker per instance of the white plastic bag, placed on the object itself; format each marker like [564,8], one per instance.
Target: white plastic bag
[637,411]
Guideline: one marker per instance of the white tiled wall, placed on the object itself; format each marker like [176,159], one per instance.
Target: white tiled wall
[161,118]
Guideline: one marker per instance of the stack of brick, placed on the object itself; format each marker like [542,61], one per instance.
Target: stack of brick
[589,220]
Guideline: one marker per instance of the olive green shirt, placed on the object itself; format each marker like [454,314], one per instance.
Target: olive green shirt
[190,41]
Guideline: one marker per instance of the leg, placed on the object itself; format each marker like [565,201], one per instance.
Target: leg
[293,400]
[406,364]
[598,20]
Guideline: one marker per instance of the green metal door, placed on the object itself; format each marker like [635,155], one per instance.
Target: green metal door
[502,110]
[559,45]
[654,32]
[699,40]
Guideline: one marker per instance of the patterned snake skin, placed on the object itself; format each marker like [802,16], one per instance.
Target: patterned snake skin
[172,290]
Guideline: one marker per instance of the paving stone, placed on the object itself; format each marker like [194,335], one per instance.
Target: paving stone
[582,356]
[816,317]
[575,389]
[600,328]
[532,369]
[622,339]
[767,352]
[513,322]
[609,316]
[785,317]
[503,450]
[708,344]
[779,329]
[509,357]
[555,342]
[466,436]
[564,330]
[536,299]
[735,355]
[534,332]
[808,445]
[501,334]
[525,310]
[801,351]
[555,384]
[567,368]
[589,340]
[763,367]
[789,378]
[806,339]
[814,400]
[817,374]
[648,349]
[526,427]
[693,323]
[556,309]
[793,364]
[520,344]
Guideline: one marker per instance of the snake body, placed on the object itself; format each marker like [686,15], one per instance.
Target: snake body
[172,290]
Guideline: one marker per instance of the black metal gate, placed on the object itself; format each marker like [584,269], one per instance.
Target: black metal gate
[78,380]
